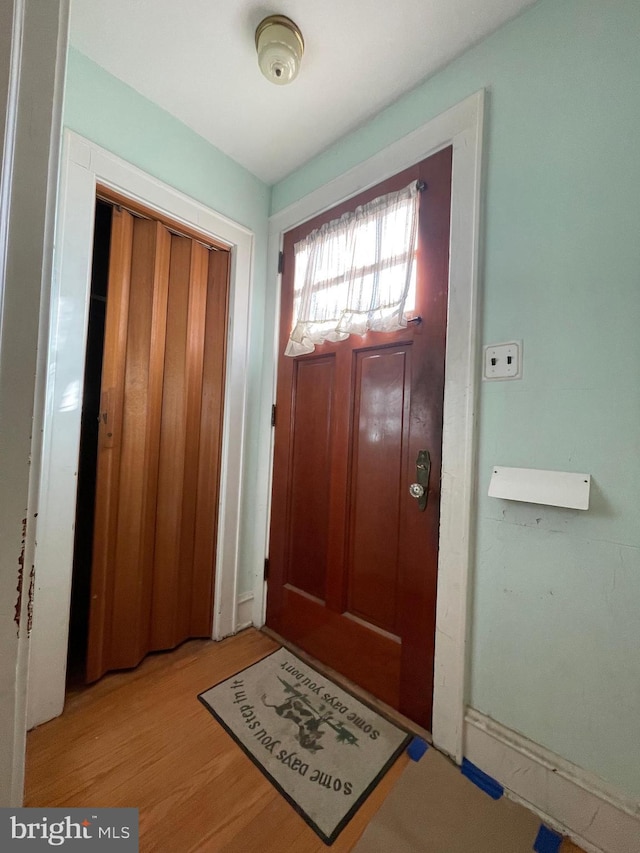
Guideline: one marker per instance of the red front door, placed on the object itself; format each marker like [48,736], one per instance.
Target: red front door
[353,559]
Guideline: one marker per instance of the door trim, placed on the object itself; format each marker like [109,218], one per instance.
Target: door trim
[84,166]
[32,70]
[462,127]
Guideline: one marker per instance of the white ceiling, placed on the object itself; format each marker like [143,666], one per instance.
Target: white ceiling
[197,60]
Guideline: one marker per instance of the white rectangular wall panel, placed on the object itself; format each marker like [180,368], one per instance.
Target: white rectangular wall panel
[553,488]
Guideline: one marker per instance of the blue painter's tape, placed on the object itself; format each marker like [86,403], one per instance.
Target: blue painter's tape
[547,840]
[417,748]
[482,780]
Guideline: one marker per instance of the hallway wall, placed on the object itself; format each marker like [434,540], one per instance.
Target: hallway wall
[555,644]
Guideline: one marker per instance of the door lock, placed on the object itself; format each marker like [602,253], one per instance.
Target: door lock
[420,489]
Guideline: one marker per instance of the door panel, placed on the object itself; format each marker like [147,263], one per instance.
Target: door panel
[309,488]
[382,396]
[210,456]
[179,439]
[157,482]
[135,446]
[110,431]
[370,658]
[365,603]
[141,462]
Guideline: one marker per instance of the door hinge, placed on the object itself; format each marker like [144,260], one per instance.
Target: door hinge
[273,415]
[266,568]
[281,262]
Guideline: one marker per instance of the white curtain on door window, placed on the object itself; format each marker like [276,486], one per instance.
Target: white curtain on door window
[356,272]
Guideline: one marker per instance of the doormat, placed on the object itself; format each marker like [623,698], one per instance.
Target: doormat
[323,749]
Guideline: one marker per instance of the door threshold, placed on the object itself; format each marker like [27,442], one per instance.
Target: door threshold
[392,714]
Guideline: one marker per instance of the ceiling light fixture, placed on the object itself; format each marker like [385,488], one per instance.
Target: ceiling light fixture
[280,47]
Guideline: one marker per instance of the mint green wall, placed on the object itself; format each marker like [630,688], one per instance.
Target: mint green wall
[556,606]
[111,114]
[556,602]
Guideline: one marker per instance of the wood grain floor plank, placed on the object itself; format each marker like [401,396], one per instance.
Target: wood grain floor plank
[569,847]
[141,739]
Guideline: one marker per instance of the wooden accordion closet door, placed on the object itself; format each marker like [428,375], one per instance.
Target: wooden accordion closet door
[159,443]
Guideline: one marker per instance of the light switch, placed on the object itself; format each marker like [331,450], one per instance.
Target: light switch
[503,361]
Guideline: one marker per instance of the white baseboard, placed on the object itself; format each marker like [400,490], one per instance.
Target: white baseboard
[244,613]
[571,800]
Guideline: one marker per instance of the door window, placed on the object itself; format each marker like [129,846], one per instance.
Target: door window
[356,273]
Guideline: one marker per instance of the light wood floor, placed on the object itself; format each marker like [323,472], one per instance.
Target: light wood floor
[142,739]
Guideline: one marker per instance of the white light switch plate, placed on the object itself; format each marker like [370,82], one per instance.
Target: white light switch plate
[503,361]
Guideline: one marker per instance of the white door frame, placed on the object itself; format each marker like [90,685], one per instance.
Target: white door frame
[85,164]
[33,50]
[462,127]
